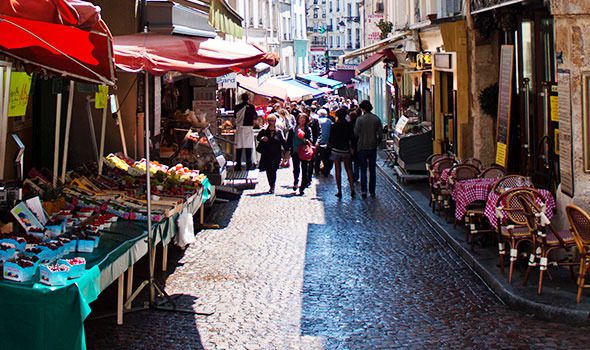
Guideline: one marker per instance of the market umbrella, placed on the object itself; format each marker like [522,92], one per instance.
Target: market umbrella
[158,54]
[66,37]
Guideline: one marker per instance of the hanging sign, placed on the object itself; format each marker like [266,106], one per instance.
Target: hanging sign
[20,86]
[554,104]
[101,97]
[398,73]
[227,81]
[504,104]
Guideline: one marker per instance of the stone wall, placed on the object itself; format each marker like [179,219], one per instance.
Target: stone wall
[572,40]
[484,72]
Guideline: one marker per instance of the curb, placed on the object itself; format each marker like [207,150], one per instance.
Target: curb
[514,301]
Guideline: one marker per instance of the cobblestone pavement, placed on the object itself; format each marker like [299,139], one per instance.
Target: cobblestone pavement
[315,272]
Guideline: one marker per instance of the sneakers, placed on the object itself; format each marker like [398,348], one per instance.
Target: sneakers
[271,190]
[364,195]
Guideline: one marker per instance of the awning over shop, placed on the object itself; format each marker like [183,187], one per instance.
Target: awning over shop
[225,19]
[159,54]
[487,5]
[278,88]
[63,36]
[334,84]
[342,75]
[374,59]
[380,45]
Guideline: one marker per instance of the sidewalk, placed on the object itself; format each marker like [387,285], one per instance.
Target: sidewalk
[558,301]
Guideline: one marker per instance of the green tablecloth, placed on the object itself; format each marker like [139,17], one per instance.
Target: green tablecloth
[36,316]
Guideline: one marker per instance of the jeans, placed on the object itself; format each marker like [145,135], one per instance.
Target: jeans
[368,158]
[238,165]
[356,167]
[271,175]
[300,166]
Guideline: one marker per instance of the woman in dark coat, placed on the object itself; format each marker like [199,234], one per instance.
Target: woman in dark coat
[271,143]
[300,135]
[341,143]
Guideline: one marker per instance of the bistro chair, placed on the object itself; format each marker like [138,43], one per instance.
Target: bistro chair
[429,162]
[579,221]
[458,172]
[473,161]
[545,238]
[493,172]
[511,181]
[436,185]
[512,228]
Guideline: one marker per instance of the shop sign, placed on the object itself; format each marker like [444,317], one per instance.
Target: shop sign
[566,156]
[398,73]
[554,104]
[300,47]
[101,97]
[424,61]
[20,86]
[263,76]
[504,103]
[373,32]
[346,66]
[443,61]
[227,81]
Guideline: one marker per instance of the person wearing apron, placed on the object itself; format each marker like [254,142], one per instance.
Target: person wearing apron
[245,115]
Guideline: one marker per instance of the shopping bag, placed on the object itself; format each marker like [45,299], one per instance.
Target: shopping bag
[186,230]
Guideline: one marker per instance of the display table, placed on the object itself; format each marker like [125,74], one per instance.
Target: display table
[466,192]
[36,316]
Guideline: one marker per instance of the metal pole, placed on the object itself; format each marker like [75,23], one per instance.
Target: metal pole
[527,122]
[91,127]
[546,94]
[151,254]
[103,128]
[64,162]
[56,139]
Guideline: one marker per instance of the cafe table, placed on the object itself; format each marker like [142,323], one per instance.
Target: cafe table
[466,192]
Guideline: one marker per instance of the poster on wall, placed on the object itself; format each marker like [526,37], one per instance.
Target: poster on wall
[504,104]
[566,164]
[20,86]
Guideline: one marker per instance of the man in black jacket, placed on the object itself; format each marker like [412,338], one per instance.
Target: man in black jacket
[245,114]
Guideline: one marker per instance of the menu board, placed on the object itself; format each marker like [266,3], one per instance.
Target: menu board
[504,104]
[565,132]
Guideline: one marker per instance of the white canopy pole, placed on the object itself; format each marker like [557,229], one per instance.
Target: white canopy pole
[56,139]
[146,123]
[64,162]
[91,127]
[103,129]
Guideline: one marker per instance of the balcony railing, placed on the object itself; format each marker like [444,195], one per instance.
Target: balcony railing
[353,19]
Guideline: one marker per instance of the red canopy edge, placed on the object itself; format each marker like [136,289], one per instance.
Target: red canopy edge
[374,59]
[77,13]
[69,51]
[158,54]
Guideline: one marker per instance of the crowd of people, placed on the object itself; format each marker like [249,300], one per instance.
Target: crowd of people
[316,137]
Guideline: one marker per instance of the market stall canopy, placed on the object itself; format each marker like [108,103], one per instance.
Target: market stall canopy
[67,37]
[333,84]
[277,88]
[159,54]
[225,19]
[374,59]
[296,84]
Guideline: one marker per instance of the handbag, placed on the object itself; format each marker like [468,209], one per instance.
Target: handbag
[306,152]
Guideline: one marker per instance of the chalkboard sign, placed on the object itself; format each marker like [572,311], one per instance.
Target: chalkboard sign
[566,164]
[504,104]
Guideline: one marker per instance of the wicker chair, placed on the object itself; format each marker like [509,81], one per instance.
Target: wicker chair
[431,175]
[437,186]
[458,172]
[545,238]
[511,181]
[580,224]
[473,161]
[512,227]
[493,172]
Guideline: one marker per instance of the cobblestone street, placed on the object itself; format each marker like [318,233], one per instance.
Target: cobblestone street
[316,272]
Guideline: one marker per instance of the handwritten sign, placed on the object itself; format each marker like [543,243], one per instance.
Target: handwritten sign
[20,86]
[101,97]
[504,104]
[565,133]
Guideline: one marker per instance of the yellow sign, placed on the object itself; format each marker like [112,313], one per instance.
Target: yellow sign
[101,97]
[554,108]
[556,141]
[501,158]
[20,86]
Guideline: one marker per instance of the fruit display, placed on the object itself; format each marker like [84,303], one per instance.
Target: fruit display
[54,274]
[20,269]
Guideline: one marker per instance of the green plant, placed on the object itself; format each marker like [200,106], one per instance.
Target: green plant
[385,27]
[488,100]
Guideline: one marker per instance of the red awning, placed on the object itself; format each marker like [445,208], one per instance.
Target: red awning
[159,54]
[64,36]
[374,59]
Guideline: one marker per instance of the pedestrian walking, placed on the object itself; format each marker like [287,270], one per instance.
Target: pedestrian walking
[299,137]
[368,131]
[270,145]
[356,165]
[316,134]
[341,144]
[323,154]
[245,113]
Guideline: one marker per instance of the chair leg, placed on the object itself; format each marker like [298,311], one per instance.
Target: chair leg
[501,247]
[533,256]
[513,257]
[542,268]
[581,279]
